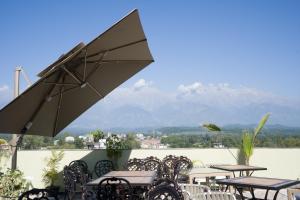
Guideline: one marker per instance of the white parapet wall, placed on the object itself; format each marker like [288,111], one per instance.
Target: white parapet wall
[281,163]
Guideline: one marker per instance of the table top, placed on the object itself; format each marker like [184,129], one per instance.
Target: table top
[135,178]
[234,168]
[208,172]
[259,182]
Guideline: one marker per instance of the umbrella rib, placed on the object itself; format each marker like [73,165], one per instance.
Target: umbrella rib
[97,65]
[84,69]
[82,83]
[95,90]
[61,84]
[73,76]
[41,104]
[115,48]
[58,107]
[64,91]
[118,61]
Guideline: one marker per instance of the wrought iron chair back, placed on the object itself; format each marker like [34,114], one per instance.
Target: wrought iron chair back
[165,189]
[81,177]
[169,161]
[114,189]
[135,164]
[152,164]
[181,168]
[38,194]
[102,167]
[83,165]
[69,182]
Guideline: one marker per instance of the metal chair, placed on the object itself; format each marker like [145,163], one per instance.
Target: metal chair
[214,196]
[169,161]
[114,189]
[135,164]
[38,194]
[182,167]
[165,189]
[152,164]
[69,182]
[83,165]
[102,167]
[193,189]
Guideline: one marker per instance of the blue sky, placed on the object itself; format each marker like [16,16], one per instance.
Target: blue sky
[243,44]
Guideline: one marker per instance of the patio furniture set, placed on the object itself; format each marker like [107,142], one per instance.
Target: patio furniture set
[151,178]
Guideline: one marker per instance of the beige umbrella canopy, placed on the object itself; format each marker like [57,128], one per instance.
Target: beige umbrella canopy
[78,80]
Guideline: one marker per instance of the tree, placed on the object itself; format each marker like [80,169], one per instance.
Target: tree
[79,144]
[131,142]
[97,135]
[248,141]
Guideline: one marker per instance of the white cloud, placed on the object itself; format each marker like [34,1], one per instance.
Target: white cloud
[144,104]
[3,88]
[142,84]
[225,95]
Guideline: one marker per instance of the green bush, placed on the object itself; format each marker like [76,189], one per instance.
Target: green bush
[13,183]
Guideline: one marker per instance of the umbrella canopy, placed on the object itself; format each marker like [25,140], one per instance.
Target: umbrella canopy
[78,79]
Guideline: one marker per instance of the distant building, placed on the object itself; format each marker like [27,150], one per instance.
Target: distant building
[102,144]
[69,139]
[218,145]
[152,143]
[82,137]
[140,136]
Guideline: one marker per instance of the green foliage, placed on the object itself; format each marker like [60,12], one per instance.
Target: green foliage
[247,146]
[97,135]
[212,127]
[114,147]
[248,140]
[50,172]
[260,125]
[13,183]
[131,142]
[78,143]
[2,141]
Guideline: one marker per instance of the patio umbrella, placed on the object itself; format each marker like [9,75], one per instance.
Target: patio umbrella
[78,79]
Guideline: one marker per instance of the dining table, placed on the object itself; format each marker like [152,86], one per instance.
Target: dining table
[140,180]
[251,183]
[135,178]
[207,174]
[239,168]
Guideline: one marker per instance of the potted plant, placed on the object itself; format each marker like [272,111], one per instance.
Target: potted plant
[248,141]
[114,147]
[50,172]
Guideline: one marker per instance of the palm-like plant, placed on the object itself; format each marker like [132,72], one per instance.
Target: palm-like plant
[248,140]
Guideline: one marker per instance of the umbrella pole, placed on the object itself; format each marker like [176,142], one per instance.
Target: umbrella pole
[15,139]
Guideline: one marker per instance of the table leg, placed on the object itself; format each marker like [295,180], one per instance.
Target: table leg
[191,179]
[252,193]
[251,173]
[240,190]
[266,195]
[275,196]
[226,188]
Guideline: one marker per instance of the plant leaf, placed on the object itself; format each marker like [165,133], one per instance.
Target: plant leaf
[261,125]
[212,127]
[247,144]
